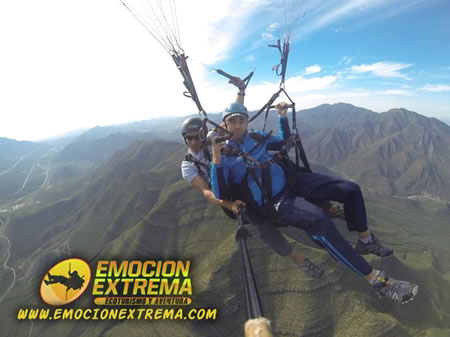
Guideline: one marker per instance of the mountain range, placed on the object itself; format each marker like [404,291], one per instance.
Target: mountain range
[119,194]
[399,152]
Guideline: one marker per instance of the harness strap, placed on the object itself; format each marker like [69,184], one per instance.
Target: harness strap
[284,53]
[231,151]
[207,154]
[190,158]
[290,143]
[267,183]
[260,139]
[180,61]
[268,104]
[300,151]
[252,172]
[266,164]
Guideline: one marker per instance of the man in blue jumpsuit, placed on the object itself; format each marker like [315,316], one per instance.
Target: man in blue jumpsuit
[195,170]
[262,181]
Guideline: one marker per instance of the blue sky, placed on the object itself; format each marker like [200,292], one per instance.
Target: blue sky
[77,64]
[376,54]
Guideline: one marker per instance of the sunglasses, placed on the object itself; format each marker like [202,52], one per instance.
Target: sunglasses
[192,137]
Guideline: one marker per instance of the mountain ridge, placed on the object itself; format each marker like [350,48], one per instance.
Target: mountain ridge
[135,205]
[378,150]
[126,211]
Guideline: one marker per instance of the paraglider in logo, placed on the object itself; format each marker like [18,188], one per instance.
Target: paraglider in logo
[65,282]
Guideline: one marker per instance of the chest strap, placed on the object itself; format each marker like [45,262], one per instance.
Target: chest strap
[190,158]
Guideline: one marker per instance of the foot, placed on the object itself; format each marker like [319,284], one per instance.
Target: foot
[399,291]
[311,269]
[373,247]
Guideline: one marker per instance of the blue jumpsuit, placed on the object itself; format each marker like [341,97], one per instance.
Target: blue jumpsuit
[297,208]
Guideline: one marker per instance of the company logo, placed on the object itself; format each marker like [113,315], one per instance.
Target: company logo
[65,282]
[124,290]
[150,282]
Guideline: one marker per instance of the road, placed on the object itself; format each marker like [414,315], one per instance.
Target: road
[17,162]
[5,264]
[36,163]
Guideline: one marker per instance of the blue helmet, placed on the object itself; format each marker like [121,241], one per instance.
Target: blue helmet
[235,109]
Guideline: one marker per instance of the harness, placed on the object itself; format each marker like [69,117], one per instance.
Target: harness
[190,158]
[242,191]
[198,164]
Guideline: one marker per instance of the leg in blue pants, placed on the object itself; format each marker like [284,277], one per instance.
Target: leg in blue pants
[300,213]
[269,233]
[316,187]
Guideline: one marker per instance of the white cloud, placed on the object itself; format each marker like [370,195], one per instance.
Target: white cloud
[333,11]
[74,64]
[312,69]
[325,13]
[398,92]
[301,84]
[267,36]
[298,88]
[391,8]
[346,60]
[81,63]
[273,27]
[436,88]
[383,69]
[250,58]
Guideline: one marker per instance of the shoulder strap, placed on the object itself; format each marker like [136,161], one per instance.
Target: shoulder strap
[206,153]
[190,158]
[259,137]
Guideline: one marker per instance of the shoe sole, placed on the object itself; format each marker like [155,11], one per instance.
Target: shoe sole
[414,292]
[406,298]
[315,277]
[368,253]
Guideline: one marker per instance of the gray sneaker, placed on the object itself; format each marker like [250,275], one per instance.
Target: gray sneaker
[311,269]
[399,291]
[374,247]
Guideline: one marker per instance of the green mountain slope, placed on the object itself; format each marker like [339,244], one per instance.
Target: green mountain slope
[398,152]
[136,206]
